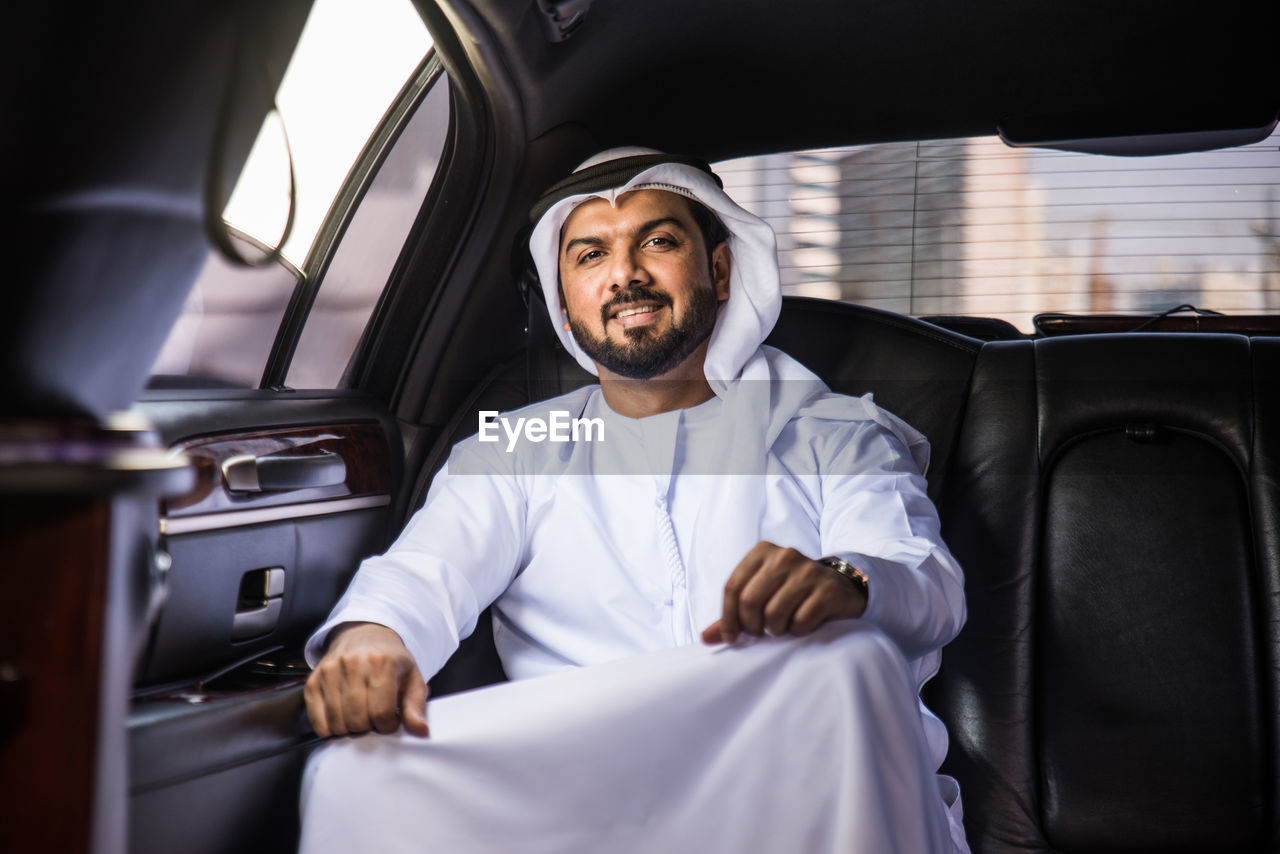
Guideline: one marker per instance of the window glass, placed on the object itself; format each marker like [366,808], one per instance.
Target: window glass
[368,251]
[351,61]
[228,324]
[973,227]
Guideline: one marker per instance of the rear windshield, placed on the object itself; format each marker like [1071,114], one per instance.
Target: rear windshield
[973,227]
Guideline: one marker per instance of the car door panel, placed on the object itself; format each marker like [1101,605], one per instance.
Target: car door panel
[218,777]
[245,574]
[217,731]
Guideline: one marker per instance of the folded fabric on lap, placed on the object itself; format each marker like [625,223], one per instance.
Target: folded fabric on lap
[798,745]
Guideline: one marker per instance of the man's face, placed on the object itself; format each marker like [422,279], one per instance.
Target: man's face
[638,285]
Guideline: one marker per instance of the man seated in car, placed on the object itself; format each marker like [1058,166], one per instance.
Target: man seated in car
[730,498]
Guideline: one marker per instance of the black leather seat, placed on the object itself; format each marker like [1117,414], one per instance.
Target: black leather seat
[1115,502]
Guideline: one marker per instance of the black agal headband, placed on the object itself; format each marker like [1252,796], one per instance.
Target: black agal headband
[611,174]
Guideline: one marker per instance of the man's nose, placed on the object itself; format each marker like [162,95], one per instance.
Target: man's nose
[627,271]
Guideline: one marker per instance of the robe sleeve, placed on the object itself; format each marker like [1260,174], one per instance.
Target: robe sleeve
[877,515]
[457,554]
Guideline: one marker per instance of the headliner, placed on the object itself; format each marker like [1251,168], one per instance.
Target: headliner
[754,76]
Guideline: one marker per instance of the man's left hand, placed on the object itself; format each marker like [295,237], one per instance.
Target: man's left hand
[776,591]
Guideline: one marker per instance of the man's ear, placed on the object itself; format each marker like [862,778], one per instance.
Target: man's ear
[564,307]
[721,264]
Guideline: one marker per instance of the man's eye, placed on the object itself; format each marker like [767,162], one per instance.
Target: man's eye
[590,256]
[660,241]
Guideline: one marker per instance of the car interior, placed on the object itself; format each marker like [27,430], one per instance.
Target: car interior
[203,431]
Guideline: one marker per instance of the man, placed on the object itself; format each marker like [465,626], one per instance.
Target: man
[731,497]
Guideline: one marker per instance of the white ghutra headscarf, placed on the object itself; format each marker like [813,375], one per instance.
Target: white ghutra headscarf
[755,291]
[751,378]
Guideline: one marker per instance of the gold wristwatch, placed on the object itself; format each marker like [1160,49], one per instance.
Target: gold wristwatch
[848,570]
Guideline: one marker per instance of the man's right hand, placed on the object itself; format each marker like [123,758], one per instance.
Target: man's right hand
[366,680]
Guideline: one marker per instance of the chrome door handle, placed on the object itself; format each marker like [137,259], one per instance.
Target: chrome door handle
[256,621]
[258,474]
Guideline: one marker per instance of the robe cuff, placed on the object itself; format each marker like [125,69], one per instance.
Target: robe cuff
[891,590]
[418,646]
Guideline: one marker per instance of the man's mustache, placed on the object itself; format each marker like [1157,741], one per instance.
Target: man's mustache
[635,294]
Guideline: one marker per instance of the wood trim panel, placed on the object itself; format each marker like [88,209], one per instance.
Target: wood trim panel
[56,551]
[362,446]
[77,504]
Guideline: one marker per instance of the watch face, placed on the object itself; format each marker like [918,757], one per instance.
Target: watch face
[846,569]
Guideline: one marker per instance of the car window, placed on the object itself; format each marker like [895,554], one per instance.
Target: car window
[350,66]
[228,323]
[973,227]
[369,248]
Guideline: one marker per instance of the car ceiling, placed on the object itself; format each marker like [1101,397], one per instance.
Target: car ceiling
[117,107]
[754,76]
[720,80]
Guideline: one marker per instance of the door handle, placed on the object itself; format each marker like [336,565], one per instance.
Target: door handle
[256,621]
[248,473]
[260,602]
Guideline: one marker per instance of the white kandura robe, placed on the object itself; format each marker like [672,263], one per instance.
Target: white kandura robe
[614,554]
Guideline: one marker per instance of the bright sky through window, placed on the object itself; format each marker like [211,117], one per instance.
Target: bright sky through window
[352,59]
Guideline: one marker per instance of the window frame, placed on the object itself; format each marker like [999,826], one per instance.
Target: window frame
[343,209]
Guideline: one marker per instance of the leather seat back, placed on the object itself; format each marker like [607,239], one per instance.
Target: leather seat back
[1114,689]
[917,371]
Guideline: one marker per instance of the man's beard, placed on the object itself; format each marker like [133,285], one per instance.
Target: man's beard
[648,353]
